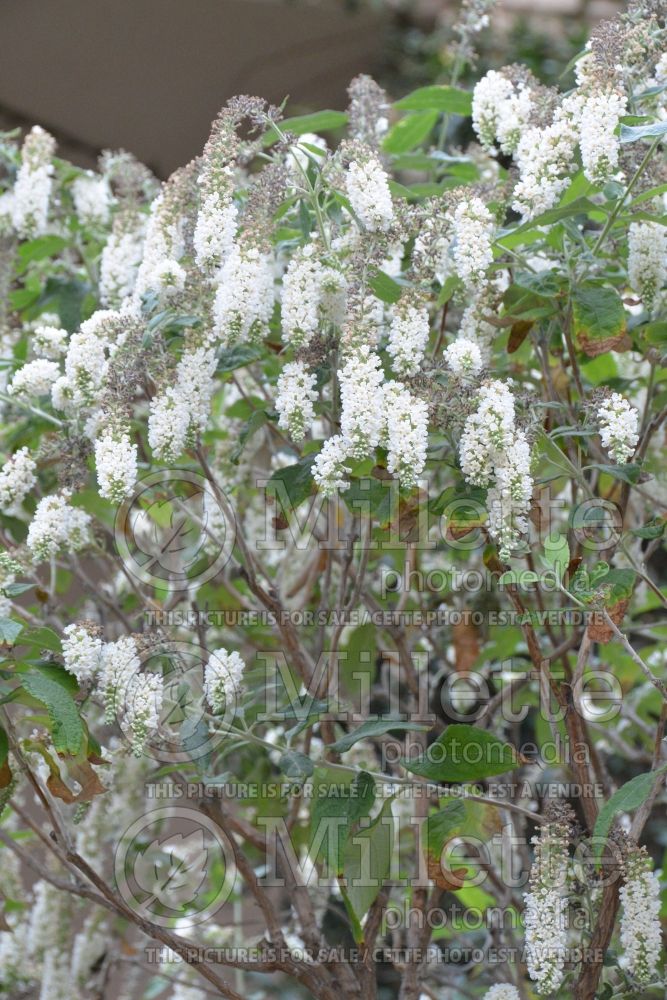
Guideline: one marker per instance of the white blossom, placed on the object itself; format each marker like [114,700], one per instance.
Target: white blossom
[223,680]
[57,526]
[160,271]
[641,932]
[294,400]
[618,423]
[115,464]
[120,662]
[302,295]
[502,991]
[545,157]
[143,701]
[56,983]
[471,249]
[362,415]
[121,259]
[32,190]
[215,230]
[330,470]
[487,434]
[406,433]
[599,145]
[245,296]
[546,910]
[647,259]
[181,412]
[17,478]
[34,379]
[82,652]
[49,341]
[408,336]
[92,199]
[46,918]
[500,111]
[86,365]
[89,946]
[508,501]
[367,187]
[489,95]
[464,357]
[495,453]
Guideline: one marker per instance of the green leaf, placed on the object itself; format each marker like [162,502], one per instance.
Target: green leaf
[16,589]
[628,797]
[557,555]
[629,473]
[533,298]
[465,753]
[618,584]
[9,631]
[256,421]
[66,727]
[440,826]
[654,528]
[367,864]
[598,318]
[580,206]
[448,99]
[39,249]
[370,496]
[296,480]
[43,638]
[319,121]
[371,728]
[296,765]
[630,133]
[386,289]
[4,746]
[237,357]
[338,805]
[410,131]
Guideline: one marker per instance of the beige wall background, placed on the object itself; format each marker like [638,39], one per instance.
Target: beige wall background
[149,75]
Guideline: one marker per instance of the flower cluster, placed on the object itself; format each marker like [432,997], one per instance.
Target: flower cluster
[472,252]
[405,434]
[501,111]
[32,191]
[546,903]
[464,357]
[502,991]
[17,478]
[618,423]
[408,336]
[367,187]
[647,259]
[598,140]
[495,453]
[121,258]
[295,398]
[92,199]
[223,680]
[120,663]
[245,297]
[34,379]
[57,526]
[115,463]
[143,701]
[181,412]
[82,651]
[641,934]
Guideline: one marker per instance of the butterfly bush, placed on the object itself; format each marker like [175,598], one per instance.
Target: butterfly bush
[332,494]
